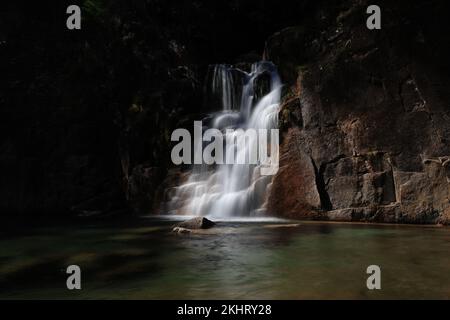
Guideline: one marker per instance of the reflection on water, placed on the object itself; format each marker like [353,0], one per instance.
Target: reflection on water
[243,260]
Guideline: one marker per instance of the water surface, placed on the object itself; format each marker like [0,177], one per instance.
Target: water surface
[249,259]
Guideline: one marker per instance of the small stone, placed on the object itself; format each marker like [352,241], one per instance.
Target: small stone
[181,230]
[196,223]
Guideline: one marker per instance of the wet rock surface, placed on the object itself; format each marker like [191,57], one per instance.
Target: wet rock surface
[293,190]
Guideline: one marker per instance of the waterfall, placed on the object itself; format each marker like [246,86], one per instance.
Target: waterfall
[223,85]
[246,100]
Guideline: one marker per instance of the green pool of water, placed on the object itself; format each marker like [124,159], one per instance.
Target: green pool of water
[237,260]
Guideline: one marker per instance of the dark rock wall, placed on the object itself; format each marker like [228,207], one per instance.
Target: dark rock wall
[86,115]
[371,109]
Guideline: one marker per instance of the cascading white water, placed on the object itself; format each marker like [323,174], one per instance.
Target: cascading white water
[223,84]
[228,190]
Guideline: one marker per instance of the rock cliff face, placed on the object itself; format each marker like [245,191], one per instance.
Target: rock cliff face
[86,117]
[366,119]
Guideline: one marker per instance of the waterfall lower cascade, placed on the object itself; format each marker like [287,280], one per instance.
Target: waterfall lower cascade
[247,100]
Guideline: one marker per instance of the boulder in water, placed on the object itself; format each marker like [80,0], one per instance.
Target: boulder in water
[196,223]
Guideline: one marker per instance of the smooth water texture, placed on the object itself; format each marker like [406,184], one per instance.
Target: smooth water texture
[237,260]
[227,190]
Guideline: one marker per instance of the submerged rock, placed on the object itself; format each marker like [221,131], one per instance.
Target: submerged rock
[181,230]
[195,223]
[290,225]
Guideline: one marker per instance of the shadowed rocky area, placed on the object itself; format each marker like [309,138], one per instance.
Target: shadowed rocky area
[86,116]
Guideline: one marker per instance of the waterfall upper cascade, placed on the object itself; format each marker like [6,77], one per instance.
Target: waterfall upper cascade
[248,100]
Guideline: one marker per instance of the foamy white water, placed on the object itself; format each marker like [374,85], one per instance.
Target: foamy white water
[234,190]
